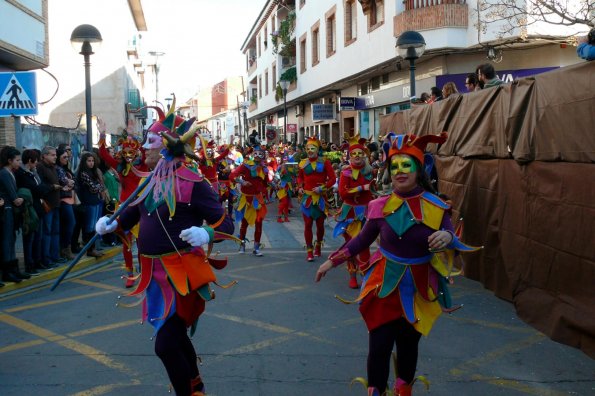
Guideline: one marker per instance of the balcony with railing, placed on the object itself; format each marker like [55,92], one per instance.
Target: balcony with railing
[431,14]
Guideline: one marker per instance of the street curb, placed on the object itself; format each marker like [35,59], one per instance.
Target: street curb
[46,276]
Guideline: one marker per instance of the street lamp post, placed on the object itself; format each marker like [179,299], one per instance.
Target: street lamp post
[411,45]
[156,54]
[284,85]
[81,38]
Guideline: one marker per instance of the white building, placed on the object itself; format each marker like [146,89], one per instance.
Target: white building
[120,70]
[344,51]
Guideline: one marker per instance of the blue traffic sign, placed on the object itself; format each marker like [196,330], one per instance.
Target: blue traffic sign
[18,94]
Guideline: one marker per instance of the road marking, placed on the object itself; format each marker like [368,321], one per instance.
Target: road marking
[272,293]
[100,329]
[259,266]
[55,302]
[85,350]
[518,386]
[98,285]
[472,364]
[21,345]
[492,325]
[105,389]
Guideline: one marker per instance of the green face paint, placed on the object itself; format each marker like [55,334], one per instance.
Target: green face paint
[402,164]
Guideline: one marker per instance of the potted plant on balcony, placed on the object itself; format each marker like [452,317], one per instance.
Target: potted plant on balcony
[283,35]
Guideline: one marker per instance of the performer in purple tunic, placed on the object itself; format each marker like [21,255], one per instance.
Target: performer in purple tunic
[175,271]
[404,288]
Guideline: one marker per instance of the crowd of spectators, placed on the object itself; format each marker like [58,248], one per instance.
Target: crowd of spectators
[53,207]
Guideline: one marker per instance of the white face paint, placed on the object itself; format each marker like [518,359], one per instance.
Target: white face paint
[154,141]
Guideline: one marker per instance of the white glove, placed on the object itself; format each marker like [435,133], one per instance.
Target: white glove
[103,228]
[195,236]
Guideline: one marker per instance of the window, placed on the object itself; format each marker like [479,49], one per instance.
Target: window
[331,32]
[274,76]
[273,23]
[302,3]
[260,87]
[363,88]
[375,83]
[316,44]
[258,40]
[266,82]
[375,14]
[265,37]
[350,21]
[303,53]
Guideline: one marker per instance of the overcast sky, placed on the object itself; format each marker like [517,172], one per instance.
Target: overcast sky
[201,40]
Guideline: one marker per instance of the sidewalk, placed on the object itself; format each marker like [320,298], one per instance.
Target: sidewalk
[51,274]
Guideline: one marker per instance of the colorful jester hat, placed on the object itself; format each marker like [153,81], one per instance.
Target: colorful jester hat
[177,140]
[412,145]
[356,142]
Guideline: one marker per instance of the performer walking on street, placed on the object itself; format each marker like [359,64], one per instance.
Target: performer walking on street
[128,160]
[253,177]
[315,177]
[175,272]
[405,283]
[355,185]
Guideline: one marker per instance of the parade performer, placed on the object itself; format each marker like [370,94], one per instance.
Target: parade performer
[285,188]
[175,272]
[405,284]
[127,160]
[226,190]
[209,163]
[355,184]
[315,177]
[253,177]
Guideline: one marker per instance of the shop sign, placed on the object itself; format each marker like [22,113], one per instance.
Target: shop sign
[322,112]
[291,128]
[347,103]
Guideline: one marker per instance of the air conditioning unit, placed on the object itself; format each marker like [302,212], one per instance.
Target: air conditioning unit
[298,110]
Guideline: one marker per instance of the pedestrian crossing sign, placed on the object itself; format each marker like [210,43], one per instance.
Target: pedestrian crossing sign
[18,95]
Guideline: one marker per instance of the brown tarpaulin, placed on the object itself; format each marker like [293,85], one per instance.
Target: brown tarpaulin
[518,165]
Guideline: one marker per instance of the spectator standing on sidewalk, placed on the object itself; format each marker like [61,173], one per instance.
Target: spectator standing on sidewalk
[10,160]
[449,89]
[67,194]
[28,178]
[487,75]
[50,242]
[586,46]
[472,83]
[91,192]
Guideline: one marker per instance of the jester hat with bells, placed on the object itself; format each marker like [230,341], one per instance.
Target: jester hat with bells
[177,137]
[412,145]
[313,140]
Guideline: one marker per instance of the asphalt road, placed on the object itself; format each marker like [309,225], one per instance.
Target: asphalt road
[274,333]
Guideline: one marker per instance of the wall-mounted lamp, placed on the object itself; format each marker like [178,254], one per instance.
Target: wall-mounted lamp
[494,55]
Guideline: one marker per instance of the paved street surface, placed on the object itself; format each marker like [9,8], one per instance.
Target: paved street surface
[274,333]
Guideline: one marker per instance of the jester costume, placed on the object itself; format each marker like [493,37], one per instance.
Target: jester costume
[355,184]
[209,164]
[286,175]
[253,178]
[175,276]
[127,162]
[404,288]
[315,177]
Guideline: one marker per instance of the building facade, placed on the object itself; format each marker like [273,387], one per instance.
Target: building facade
[343,67]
